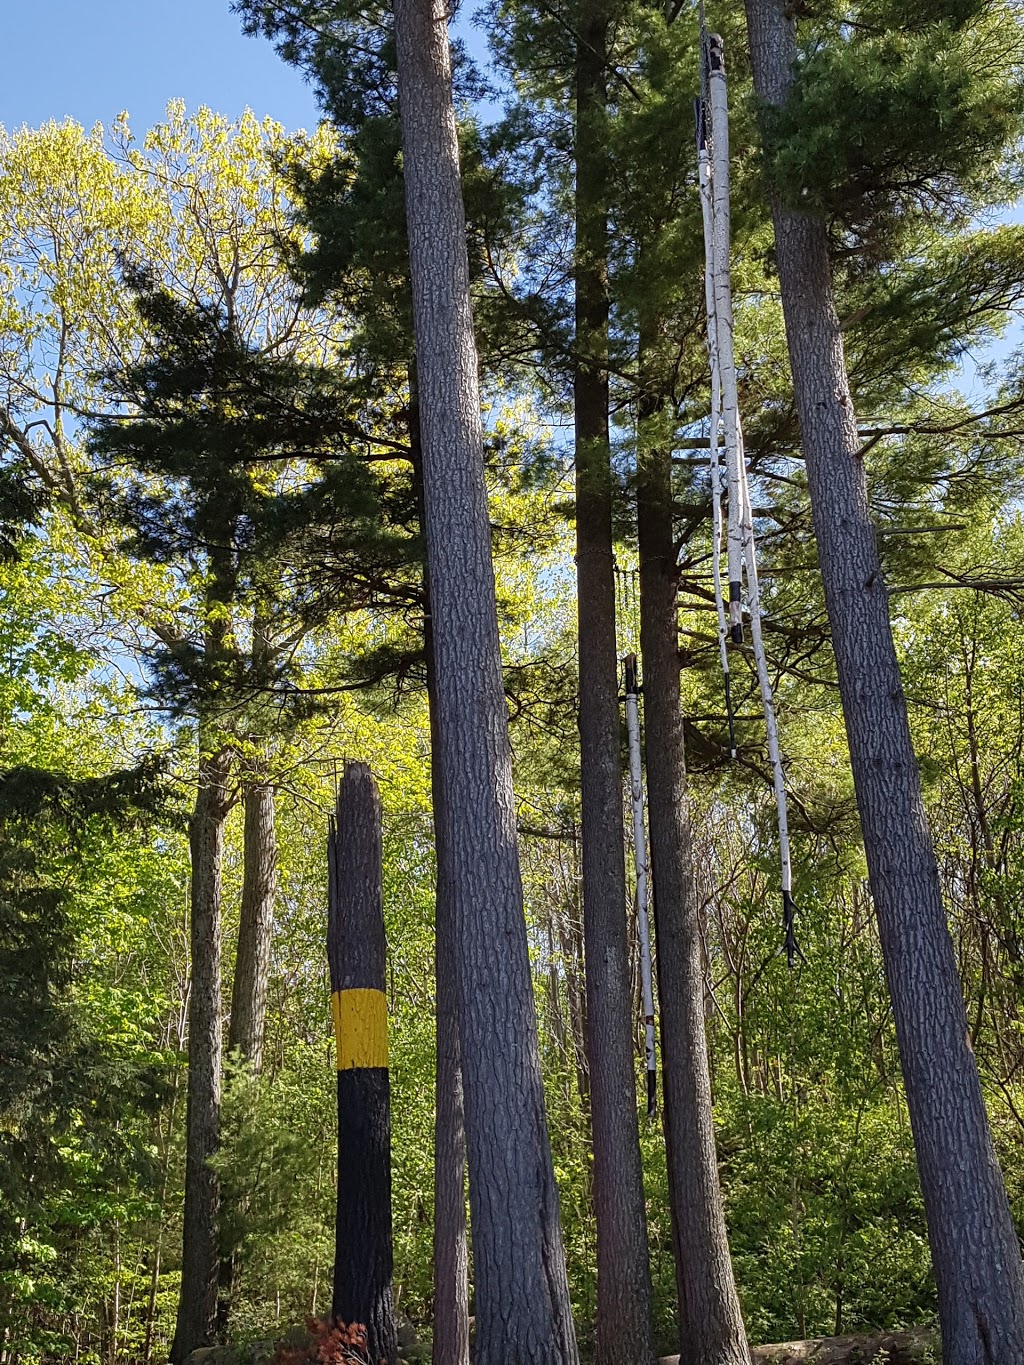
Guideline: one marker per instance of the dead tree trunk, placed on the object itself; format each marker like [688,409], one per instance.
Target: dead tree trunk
[357,954]
[522,1293]
[975,1252]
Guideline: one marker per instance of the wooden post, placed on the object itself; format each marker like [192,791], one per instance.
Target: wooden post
[356,951]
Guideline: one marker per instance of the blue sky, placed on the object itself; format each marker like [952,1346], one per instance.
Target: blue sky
[92,58]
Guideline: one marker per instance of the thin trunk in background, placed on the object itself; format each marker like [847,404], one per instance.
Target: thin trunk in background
[256,925]
[711,1324]
[975,1252]
[521,1290]
[249,992]
[571,936]
[623,1268]
[450,1339]
[197,1305]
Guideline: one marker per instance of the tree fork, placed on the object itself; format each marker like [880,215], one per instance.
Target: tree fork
[356,949]
[975,1252]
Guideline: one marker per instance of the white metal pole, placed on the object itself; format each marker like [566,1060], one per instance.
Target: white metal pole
[741,521]
[770,720]
[642,875]
[723,324]
[714,434]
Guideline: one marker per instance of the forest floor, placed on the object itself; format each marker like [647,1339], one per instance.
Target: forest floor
[917,1347]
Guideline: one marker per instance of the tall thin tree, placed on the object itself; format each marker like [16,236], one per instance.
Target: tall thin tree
[256,924]
[197,1303]
[710,1320]
[623,1269]
[975,1251]
[522,1293]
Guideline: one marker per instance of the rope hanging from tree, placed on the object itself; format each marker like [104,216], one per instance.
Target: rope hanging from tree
[726,431]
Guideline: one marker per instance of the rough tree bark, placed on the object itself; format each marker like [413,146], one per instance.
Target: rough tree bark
[711,1324]
[975,1252]
[197,1305]
[450,1339]
[522,1295]
[356,949]
[623,1267]
[249,987]
[255,927]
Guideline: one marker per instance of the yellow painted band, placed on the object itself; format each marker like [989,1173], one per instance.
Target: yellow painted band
[361,1028]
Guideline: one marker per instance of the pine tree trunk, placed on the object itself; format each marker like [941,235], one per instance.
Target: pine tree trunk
[522,1294]
[450,1338]
[711,1324]
[249,988]
[197,1304]
[255,927]
[975,1252]
[623,1267]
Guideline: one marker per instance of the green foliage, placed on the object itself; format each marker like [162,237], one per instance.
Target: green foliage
[244,469]
[889,119]
[70,1166]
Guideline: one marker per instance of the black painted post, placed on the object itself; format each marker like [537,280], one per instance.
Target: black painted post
[356,951]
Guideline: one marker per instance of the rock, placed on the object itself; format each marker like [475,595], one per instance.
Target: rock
[405,1334]
[216,1355]
[410,1348]
[259,1353]
[882,1348]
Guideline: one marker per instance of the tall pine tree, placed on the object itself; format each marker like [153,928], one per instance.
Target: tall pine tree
[918,109]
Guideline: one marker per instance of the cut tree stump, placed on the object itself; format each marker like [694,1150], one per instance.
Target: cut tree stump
[881,1348]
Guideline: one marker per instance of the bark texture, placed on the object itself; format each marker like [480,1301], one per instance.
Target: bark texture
[975,1252]
[623,1267]
[255,927]
[522,1297]
[197,1306]
[711,1324]
[249,988]
[356,949]
[450,1339]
